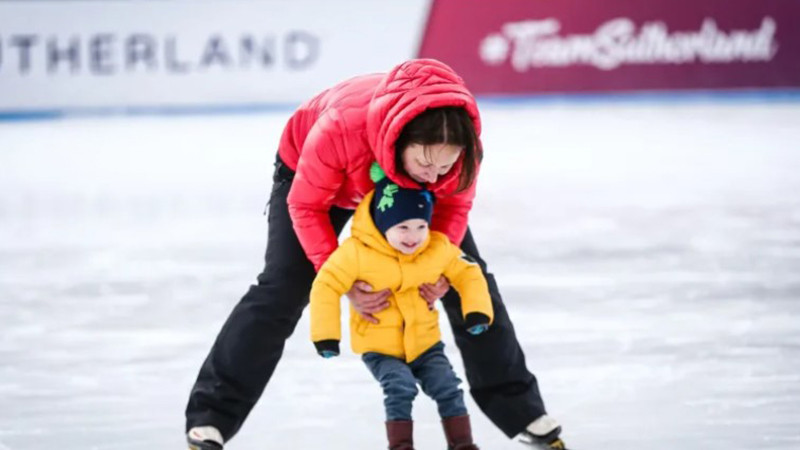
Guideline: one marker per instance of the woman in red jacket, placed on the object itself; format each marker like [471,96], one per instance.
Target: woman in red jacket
[421,124]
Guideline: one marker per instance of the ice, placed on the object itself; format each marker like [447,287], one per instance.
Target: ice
[649,255]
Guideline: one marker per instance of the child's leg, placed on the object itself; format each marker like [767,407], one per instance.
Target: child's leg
[398,383]
[439,381]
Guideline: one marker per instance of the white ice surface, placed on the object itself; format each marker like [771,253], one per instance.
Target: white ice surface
[649,256]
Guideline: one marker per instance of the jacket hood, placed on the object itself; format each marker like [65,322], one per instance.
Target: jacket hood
[364,230]
[405,92]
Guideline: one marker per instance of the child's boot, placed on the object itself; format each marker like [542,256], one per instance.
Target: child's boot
[458,432]
[543,434]
[400,434]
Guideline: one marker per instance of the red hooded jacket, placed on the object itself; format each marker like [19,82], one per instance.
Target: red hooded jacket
[332,140]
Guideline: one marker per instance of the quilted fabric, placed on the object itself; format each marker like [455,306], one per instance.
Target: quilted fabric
[331,141]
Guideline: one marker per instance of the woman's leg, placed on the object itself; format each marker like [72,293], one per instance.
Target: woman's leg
[439,381]
[251,341]
[398,384]
[499,381]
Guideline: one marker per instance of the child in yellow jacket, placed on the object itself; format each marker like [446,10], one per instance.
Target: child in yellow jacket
[391,247]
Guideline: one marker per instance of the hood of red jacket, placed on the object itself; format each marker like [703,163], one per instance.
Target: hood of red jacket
[405,92]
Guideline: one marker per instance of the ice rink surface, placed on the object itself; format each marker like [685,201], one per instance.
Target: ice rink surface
[649,255]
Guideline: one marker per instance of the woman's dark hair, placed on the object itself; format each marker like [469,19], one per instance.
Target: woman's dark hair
[445,125]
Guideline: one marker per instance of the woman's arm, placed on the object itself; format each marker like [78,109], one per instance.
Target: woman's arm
[319,175]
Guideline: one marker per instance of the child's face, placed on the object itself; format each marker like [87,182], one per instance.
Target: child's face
[407,236]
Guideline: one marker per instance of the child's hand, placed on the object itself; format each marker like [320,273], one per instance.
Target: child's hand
[478,329]
[327,348]
[476,323]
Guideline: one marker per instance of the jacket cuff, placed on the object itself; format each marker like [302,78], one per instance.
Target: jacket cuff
[476,322]
[327,348]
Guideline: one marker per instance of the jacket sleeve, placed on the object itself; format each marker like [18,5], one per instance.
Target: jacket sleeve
[451,213]
[319,175]
[334,278]
[466,277]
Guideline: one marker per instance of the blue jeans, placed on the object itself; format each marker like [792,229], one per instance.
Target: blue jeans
[399,380]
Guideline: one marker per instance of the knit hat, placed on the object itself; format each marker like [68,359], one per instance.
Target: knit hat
[393,204]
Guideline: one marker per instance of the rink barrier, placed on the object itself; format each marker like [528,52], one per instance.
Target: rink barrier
[586,46]
[71,55]
[135,58]
[194,110]
[493,101]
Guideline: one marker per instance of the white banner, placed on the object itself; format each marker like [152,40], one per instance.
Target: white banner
[62,55]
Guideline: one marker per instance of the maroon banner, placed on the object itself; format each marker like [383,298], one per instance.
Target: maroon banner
[530,46]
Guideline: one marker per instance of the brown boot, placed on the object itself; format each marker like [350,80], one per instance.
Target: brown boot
[458,433]
[401,434]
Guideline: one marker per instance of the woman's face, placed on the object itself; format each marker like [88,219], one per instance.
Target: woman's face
[425,164]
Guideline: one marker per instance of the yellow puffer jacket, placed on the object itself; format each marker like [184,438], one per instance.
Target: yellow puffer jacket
[407,327]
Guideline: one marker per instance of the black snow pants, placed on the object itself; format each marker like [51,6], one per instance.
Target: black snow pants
[251,342]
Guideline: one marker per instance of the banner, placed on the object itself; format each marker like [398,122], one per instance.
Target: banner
[184,53]
[530,46]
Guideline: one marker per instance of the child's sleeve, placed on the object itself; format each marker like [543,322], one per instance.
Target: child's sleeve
[335,277]
[466,277]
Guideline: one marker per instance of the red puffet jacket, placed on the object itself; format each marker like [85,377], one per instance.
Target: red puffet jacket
[332,140]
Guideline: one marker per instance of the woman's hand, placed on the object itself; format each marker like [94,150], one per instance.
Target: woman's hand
[433,292]
[367,302]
